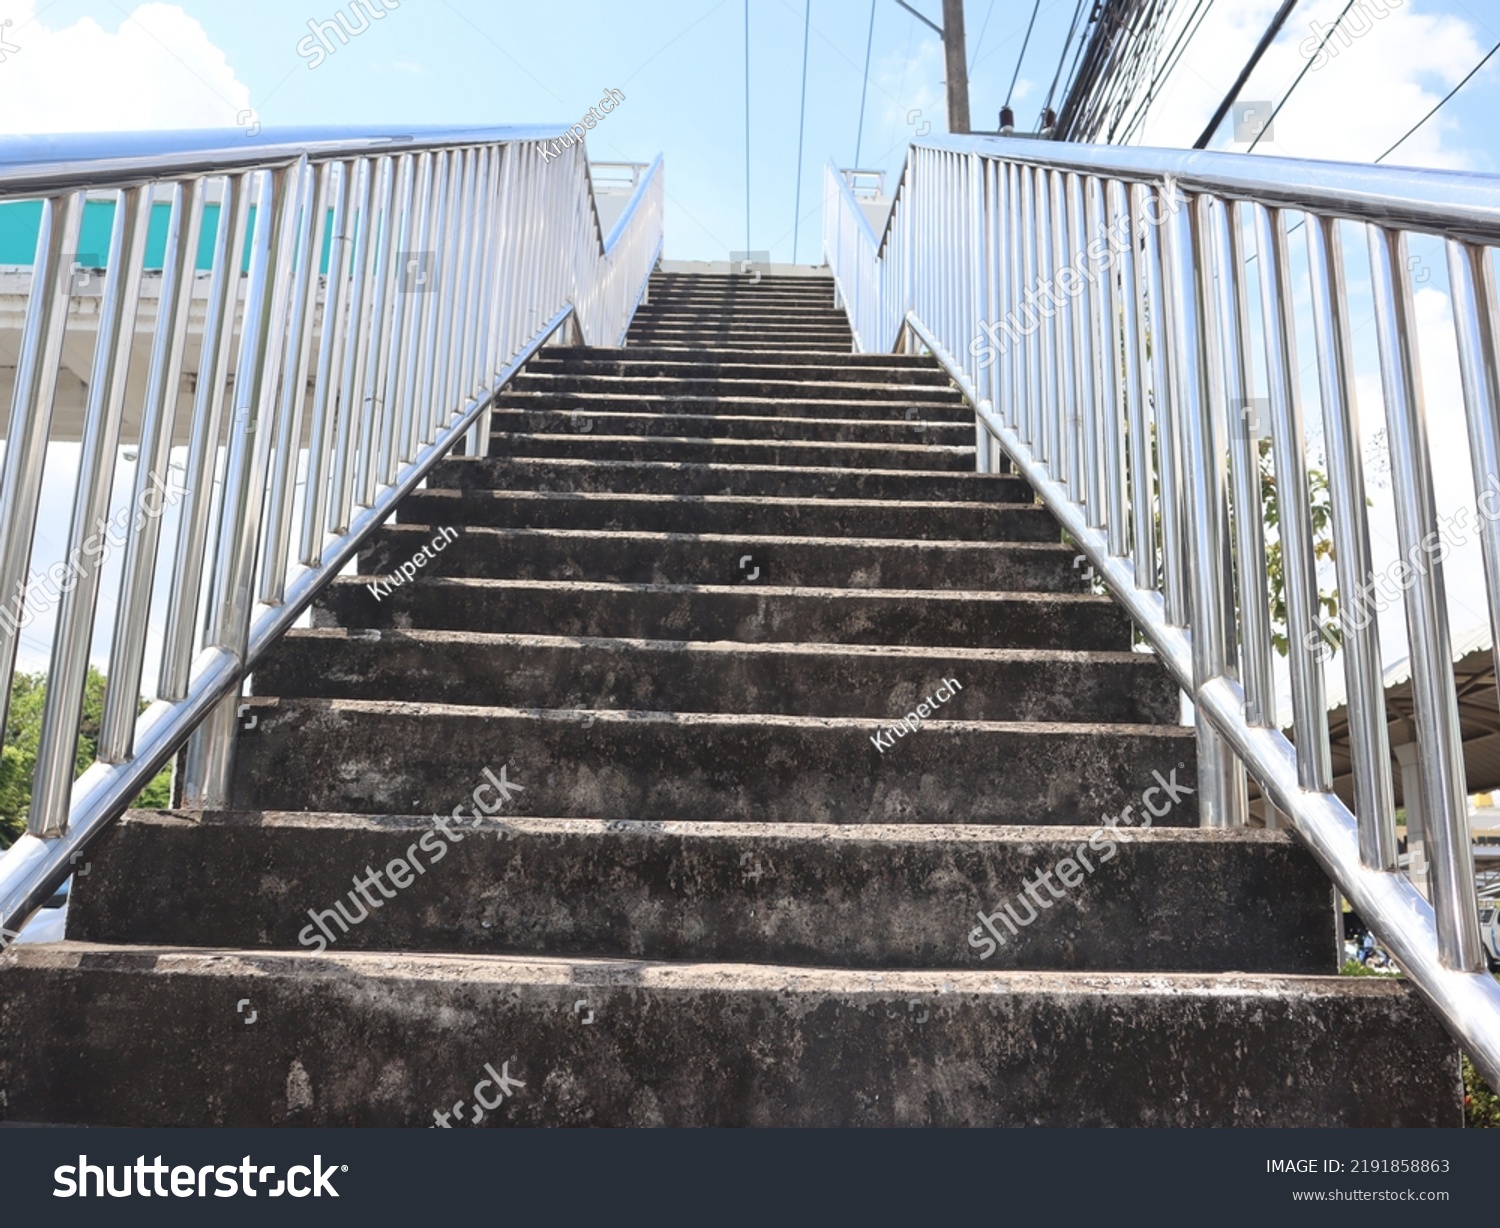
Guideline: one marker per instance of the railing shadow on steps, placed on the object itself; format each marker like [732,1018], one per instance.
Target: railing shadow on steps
[383,288]
[1021,264]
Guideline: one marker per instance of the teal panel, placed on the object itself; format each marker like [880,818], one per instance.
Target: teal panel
[20,222]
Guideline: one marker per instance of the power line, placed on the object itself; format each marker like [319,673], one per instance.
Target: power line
[802,123]
[1306,68]
[982,29]
[1439,106]
[1020,59]
[747,129]
[1063,58]
[865,88]
[1261,48]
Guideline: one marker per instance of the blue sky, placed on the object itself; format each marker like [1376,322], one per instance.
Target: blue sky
[101,64]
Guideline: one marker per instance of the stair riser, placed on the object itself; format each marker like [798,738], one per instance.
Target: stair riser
[842,363]
[496,473]
[654,559]
[1169,900]
[738,452]
[391,759]
[576,421]
[686,514]
[737,407]
[366,1046]
[740,614]
[643,368]
[1130,687]
[794,390]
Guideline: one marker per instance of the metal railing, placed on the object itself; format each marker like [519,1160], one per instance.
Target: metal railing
[1094,304]
[317,401]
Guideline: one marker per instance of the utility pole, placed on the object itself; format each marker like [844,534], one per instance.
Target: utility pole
[958,71]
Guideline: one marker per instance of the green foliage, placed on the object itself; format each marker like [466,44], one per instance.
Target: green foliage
[23,727]
[1481,1105]
[1321,506]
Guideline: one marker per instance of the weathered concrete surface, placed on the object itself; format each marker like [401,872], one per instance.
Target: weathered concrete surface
[391,758]
[663,478]
[610,556]
[385,1040]
[900,370]
[867,365]
[748,613]
[760,514]
[737,451]
[1169,900]
[459,667]
[739,405]
[645,386]
[724,426]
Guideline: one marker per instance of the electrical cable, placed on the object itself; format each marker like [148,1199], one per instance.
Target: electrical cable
[865,88]
[1035,8]
[1439,106]
[1306,68]
[1266,39]
[802,124]
[982,29]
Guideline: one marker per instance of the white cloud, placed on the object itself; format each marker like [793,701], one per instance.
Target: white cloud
[1392,71]
[158,70]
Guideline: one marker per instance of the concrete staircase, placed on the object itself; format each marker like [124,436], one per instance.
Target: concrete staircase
[682,604]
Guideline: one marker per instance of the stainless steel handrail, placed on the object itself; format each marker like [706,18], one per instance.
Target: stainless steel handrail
[453,255]
[1093,304]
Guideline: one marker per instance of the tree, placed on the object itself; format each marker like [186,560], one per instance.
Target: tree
[23,728]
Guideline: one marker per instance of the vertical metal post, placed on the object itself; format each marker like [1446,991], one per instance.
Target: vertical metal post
[173,309]
[30,426]
[1444,801]
[1369,738]
[209,758]
[57,744]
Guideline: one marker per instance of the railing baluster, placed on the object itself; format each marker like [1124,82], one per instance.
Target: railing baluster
[1369,740]
[173,309]
[57,743]
[312,202]
[30,425]
[1434,698]
[199,514]
[330,351]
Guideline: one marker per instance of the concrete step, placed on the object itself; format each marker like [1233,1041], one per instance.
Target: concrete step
[843,455]
[657,477]
[739,407]
[712,558]
[729,356]
[388,757]
[522,671]
[149,1036]
[1155,900]
[731,514]
[776,349]
[664,334]
[748,613]
[620,363]
[648,387]
[724,426]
